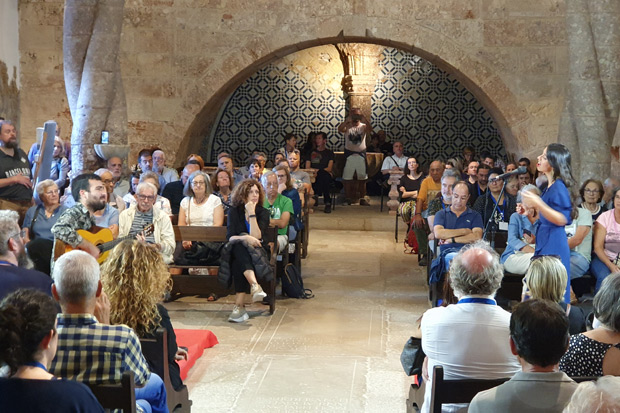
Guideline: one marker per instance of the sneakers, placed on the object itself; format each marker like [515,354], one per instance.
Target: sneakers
[257,293]
[238,315]
[423,261]
[328,209]
[364,202]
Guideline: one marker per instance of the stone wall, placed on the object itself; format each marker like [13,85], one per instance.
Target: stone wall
[182,58]
[9,60]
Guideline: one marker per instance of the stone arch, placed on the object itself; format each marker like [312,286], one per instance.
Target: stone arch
[511,118]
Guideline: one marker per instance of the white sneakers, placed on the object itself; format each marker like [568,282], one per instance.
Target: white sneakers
[257,293]
[238,315]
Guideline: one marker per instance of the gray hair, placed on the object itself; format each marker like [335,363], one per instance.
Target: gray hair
[596,396]
[151,175]
[76,277]
[528,188]
[607,302]
[263,179]
[475,281]
[99,172]
[187,189]
[146,185]
[451,173]
[163,155]
[9,228]
[41,188]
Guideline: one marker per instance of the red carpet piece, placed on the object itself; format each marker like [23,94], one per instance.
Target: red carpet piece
[195,341]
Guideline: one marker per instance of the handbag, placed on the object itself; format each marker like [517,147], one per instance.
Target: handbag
[412,356]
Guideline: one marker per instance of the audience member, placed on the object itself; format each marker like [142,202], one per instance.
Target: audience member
[592,195]
[475,276]
[159,167]
[511,167]
[108,217]
[15,266]
[408,187]
[222,184]
[512,186]
[134,219]
[290,142]
[195,159]
[255,169]
[443,201]
[525,162]
[200,207]
[15,183]
[600,396]
[60,164]
[597,352]
[429,189]
[41,218]
[480,187]
[277,158]
[90,350]
[161,202]
[280,208]
[524,179]
[356,128]
[539,338]
[609,186]
[396,162]
[299,176]
[90,196]
[579,234]
[135,278]
[225,161]
[485,204]
[27,346]
[308,147]
[383,145]
[121,184]
[469,155]
[321,159]
[521,237]
[145,160]
[173,191]
[130,197]
[546,280]
[488,159]
[285,187]
[457,225]
[471,176]
[246,212]
[605,259]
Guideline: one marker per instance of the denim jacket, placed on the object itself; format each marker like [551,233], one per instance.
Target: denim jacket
[515,234]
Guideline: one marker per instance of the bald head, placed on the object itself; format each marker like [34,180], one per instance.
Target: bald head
[189,169]
[476,270]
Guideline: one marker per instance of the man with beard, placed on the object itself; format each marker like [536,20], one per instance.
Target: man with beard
[121,183]
[90,196]
[15,183]
[15,272]
[159,167]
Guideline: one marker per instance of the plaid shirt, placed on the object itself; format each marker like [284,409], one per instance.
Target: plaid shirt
[96,353]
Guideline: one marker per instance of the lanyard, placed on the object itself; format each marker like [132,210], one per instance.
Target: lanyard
[35,364]
[477,300]
[2,262]
[500,209]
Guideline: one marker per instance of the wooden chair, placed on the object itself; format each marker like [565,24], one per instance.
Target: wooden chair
[118,395]
[157,349]
[457,391]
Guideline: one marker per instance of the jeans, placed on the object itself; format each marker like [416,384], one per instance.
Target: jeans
[448,259]
[579,265]
[152,397]
[599,270]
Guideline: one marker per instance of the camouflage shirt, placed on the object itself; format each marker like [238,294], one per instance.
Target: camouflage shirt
[74,218]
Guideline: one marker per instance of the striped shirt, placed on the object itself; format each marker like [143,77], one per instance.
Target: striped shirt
[96,353]
[141,220]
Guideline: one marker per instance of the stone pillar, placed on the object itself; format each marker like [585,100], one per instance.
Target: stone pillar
[91,44]
[361,68]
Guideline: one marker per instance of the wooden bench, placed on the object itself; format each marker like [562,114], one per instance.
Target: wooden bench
[157,349]
[184,284]
[118,395]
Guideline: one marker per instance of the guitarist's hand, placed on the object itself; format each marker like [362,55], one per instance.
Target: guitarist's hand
[90,248]
[102,308]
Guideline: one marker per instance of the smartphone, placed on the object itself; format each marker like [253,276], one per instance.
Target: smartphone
[528,232]
[105,137]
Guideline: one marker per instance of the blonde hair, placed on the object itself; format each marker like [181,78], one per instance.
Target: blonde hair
[546,279]
[135,278]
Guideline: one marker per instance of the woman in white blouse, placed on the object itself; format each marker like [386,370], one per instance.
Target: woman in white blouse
[200,207]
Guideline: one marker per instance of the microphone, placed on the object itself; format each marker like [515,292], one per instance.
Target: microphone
[518,171]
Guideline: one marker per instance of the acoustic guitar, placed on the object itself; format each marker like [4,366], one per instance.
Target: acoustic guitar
[100,237]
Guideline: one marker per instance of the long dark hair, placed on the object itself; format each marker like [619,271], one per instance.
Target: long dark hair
[407,171]
[26,317]
[559,158]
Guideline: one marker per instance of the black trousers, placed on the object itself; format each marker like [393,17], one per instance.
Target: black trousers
[241,262]
[322,185]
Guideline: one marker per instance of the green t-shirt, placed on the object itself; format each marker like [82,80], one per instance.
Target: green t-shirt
[280,205]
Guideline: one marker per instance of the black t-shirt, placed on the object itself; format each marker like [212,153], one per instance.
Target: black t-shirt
[410,184]
[22,395]
[11,166]
[474,193]
[320,159]
[173,191]
[13,278]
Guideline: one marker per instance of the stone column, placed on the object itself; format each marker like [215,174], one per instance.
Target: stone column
[91,43]
[361,68]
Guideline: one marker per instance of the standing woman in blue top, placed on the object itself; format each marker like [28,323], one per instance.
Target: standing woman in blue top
[556,207]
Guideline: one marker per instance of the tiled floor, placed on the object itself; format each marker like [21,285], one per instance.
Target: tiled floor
[337,352]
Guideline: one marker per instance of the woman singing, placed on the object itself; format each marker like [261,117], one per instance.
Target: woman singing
[556,207]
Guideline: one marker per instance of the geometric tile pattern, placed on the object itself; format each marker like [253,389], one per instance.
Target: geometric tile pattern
[415,102]
[428,110]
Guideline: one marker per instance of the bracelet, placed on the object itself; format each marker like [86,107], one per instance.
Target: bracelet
[252,216]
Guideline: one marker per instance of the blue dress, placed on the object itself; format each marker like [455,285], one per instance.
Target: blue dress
[550,238]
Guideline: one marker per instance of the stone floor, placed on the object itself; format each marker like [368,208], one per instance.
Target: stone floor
[337,352]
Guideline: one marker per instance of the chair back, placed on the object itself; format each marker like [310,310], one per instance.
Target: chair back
[117,395]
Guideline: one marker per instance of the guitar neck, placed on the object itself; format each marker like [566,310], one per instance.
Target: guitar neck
[106,246]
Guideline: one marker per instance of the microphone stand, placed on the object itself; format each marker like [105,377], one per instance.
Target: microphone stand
[486,227]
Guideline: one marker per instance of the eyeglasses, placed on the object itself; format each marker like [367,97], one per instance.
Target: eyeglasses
[591,191]
[21,233]
[146,197]
[198,183]
[52,192]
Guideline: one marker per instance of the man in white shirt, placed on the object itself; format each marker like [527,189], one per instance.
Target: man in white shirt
[396,162]
[159,167]
[539,338]
[356,128]
[469,339]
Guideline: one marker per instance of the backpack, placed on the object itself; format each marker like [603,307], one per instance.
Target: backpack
[293,284]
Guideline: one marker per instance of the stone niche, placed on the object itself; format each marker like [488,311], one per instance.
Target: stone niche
[181,59]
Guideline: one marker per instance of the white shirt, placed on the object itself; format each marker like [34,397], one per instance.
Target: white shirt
[470,341]
[394,161]
[356,132]
[200,215]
